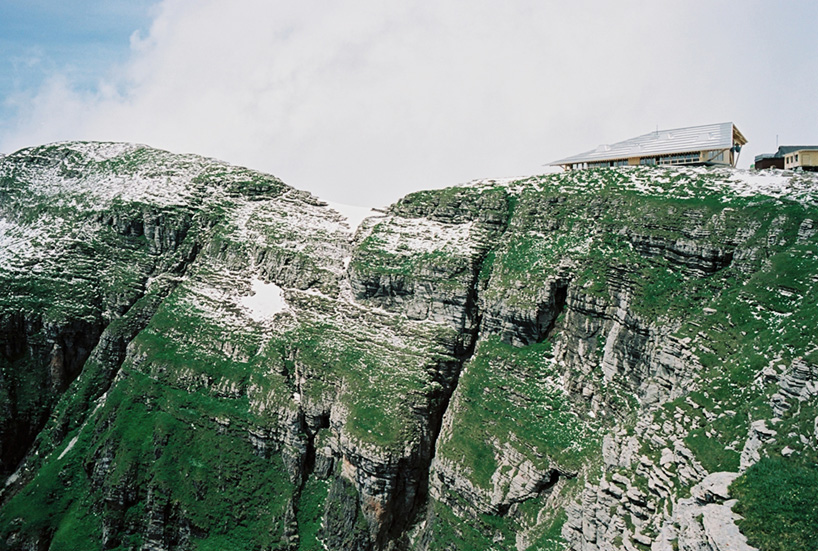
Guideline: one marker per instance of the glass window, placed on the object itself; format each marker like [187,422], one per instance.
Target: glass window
[679,159]
[718,158]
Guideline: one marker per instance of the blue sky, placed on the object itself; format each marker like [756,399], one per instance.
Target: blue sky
[361,101]
[82,39]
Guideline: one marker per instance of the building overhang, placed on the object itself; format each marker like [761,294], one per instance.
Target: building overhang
[720,137]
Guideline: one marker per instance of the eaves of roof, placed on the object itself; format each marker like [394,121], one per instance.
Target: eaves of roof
[663,142]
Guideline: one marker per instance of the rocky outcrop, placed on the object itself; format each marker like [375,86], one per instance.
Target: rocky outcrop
[424,257]
[800,383]
[345,527]
[705,521]
[515,481]
[163,230]
[693,255]
[529,323]
[39,360]
[605,333]
[628,505]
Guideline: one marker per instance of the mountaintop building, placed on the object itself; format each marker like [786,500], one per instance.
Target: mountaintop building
[790,157]
[711,144]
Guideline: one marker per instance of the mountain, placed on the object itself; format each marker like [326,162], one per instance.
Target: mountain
[197,356]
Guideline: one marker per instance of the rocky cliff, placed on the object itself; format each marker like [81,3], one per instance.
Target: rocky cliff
[196,356]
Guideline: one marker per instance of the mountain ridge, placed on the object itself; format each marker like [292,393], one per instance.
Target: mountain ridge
[539,363]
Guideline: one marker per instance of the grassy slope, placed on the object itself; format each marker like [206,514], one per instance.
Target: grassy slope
[201,375]
[500,399]
[151,424]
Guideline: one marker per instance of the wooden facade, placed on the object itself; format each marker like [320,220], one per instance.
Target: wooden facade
[804,159]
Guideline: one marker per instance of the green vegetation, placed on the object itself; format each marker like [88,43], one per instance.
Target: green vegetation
[311,512]
[550,534]
[512,396]
[371,372]
[387,251]
[182,408]
[798,420]
[157,442]
[488,532]
[712,453]
[491,532]
[778,499]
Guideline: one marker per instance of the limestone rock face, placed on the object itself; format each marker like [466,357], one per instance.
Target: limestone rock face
[57,352]
[705,521]
[195,355]
[799,383]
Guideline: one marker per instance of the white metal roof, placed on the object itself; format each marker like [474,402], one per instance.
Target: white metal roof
[661,142]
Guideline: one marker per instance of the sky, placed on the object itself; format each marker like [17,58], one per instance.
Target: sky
[363,101]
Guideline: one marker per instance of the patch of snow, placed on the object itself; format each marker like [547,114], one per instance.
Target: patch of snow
[13,478]
[266,301]
[18,241]
[354,215]
[768,182]
[160,178]
[68,447]
[411,236]
[490,182]
[292,224]
[102,151]
[241,216]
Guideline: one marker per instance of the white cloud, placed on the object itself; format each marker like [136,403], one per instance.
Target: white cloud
[363,101]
